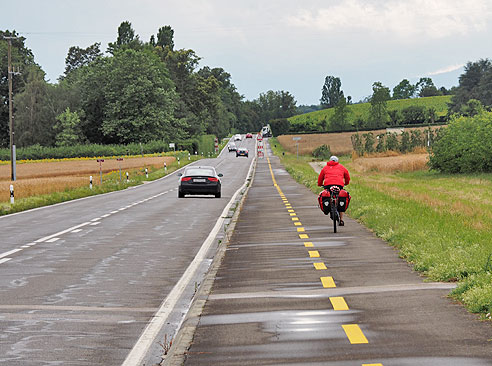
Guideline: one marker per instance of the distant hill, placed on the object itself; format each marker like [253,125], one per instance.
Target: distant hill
[315,121]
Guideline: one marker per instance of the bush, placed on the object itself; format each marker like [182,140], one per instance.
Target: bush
[465,146]
[322,152]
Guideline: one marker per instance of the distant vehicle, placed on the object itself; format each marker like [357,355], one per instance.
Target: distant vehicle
[199,180]
[249,135]
[242,151]
[266,131]
[237,137]
[232,146]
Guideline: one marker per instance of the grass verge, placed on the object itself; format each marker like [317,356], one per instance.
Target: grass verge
[442,224]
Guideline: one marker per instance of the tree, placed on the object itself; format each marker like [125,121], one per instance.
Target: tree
[474,83]
[126,38]
[378,114]
[339,119]
[331,92]
[78,57]
[273,105]
[425,88]
[22,57]
[68,129]
[35,110]
[404,90]
[165,37]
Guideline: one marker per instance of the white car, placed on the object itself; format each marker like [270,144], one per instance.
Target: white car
[237,137]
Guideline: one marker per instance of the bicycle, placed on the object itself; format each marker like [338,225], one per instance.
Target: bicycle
[334,214]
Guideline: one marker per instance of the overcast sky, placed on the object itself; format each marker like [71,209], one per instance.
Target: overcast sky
[277,45]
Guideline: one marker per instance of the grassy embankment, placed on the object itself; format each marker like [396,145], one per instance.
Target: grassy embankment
[361,111]
[442,224]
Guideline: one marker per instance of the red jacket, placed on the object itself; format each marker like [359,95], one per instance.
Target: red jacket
[333,173]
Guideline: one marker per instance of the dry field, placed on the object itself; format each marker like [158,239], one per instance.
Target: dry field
[391,164]
[339,143]
[49,177]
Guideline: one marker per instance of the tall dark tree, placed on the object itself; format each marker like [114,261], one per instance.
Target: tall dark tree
[273,105]
[404,90]
[474,83]
[331,92]
[126,38]
[22,58]
[165,37]
[78,57]
[339,119]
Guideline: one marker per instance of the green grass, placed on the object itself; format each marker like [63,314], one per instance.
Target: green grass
[111,182]
[442,224]
[361,111]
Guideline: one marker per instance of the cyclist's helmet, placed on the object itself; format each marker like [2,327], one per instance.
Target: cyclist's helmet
[334,158]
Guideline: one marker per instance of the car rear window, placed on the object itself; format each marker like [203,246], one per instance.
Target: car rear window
[199,171]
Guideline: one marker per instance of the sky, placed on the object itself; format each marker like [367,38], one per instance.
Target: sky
[288,45]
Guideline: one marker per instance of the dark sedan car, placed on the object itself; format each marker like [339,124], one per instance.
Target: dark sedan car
[199,180]
[242,151]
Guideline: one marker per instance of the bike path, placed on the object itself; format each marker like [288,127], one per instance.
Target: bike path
[291,292]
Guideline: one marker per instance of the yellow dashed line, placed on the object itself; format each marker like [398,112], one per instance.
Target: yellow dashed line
[308,244]
[295,219]
[290,211]
[354,334]
[300,230]
[372,364]
[303,236]
[338,303]
[293,214]
[297,223]
[314,254]
[319,265]
[328,282]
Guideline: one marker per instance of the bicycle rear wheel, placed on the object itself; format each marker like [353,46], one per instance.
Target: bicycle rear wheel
[334,216]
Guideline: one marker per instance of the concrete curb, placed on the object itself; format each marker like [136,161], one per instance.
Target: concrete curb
[183,340]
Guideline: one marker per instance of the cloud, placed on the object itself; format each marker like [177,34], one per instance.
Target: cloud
[445,70]
[402,18]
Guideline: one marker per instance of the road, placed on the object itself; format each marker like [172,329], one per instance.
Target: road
[288,291]
[80,281]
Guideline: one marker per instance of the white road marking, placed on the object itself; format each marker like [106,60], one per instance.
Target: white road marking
[96,219]
[95,223]
[104,216]
[25,246]
[52,240]
[76,231]
[4,260]
[61,232]
[147,338]
[6,254]
[122,209]
[31,244]
[113,212]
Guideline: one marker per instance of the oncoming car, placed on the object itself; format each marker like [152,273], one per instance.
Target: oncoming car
[249,135]
[242,151]
[237,137]
[199,180]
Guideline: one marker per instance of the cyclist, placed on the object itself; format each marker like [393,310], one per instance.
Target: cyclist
[334,174]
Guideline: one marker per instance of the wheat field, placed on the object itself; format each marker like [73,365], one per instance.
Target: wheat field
[49,177]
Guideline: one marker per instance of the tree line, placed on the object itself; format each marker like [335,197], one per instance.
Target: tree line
[135,92]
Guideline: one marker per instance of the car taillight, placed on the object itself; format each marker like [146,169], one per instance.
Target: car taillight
[213,179]
[185,179]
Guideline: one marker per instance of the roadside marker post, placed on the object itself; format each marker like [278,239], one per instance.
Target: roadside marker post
[127,178]
[189,156]
[119,163]
[146,173]
[179,164]
[90,182]
[165,168]
[296,139]
[11,194]
[100,161]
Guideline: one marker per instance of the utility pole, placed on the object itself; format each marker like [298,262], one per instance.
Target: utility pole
[11,111]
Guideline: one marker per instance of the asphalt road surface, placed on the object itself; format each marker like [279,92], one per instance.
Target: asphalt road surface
[289,291]
[81,281]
